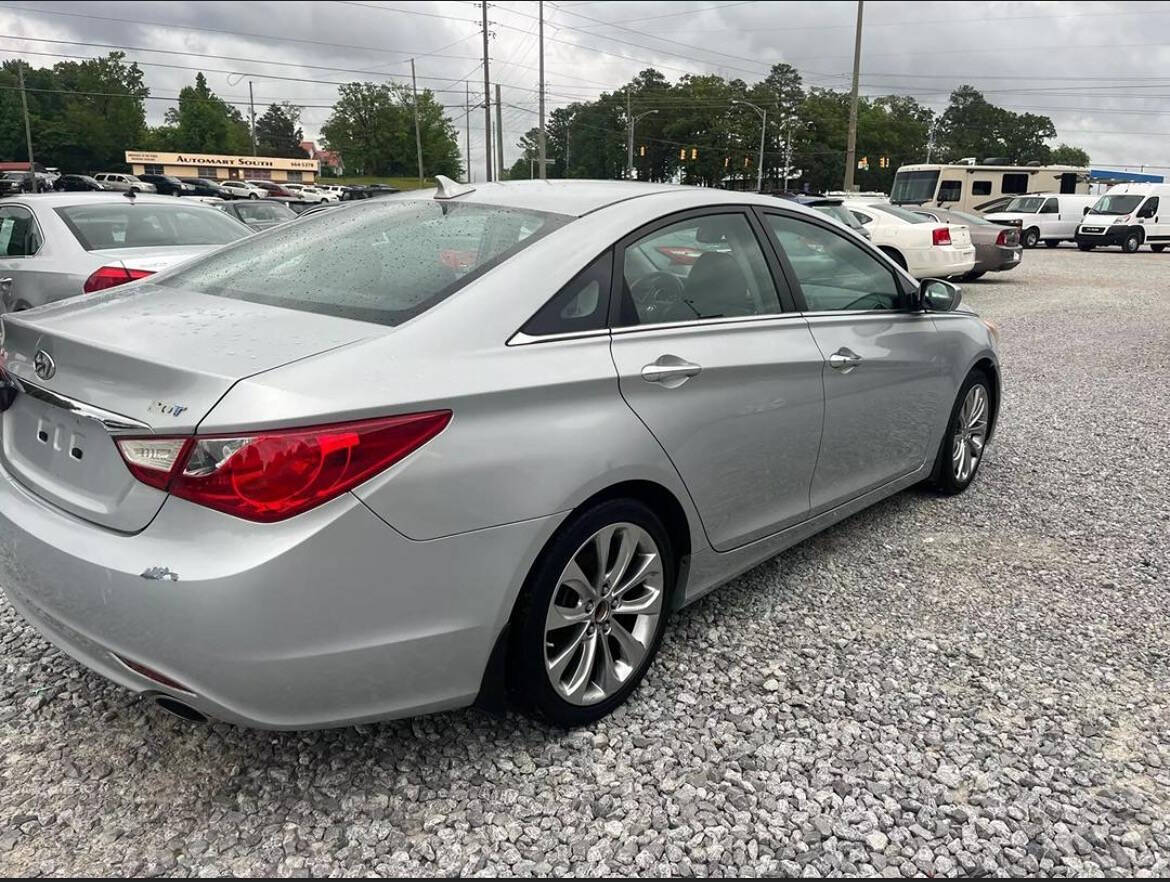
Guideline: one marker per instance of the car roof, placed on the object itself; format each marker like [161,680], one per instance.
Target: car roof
[59,200]
[580,197]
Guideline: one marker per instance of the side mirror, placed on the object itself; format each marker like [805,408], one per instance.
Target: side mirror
[935,295]
[1086,211]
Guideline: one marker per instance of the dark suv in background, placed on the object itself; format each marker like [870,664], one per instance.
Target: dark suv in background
[168,185]
[206,187]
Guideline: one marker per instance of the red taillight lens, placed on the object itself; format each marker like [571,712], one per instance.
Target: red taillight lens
[112,276]
[941,235]
[271,476]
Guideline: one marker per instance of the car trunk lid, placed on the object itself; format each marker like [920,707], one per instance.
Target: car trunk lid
[144,361]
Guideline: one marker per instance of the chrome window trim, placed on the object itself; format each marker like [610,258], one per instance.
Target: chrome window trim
[712,322]
[522,339]
[855,313]
[114,422]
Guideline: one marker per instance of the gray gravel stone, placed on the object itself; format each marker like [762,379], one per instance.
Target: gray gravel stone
[974,685]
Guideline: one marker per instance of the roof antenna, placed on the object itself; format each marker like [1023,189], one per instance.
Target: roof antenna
[449,189]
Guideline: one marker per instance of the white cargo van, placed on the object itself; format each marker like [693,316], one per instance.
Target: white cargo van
[1128,215]
[1044,217]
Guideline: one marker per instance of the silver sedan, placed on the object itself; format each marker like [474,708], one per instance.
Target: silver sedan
[463,445]
[57,245]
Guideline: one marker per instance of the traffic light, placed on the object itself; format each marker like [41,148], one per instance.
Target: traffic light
[682,153]
[863,164]
[642,150]
[694,153]
[883,162]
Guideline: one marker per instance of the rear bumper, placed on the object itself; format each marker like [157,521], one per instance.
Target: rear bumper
[997,259]
[327,619]
[940,261]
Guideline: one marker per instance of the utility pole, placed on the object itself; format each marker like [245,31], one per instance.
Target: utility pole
[252,113]
[930,140]
[631,122]
[32,172]
[851,148]
[763,112]
[787,151]
[499,136]
[487,102]
[467,131]
[417,131]
[543,159]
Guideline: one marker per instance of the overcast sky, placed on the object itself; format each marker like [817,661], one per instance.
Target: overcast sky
[1101,70]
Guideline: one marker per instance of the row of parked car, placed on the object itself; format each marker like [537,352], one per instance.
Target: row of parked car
[171,185]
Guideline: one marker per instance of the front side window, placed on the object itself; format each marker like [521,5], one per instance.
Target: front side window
[387,260]
[835,273]
[1050,207]
[18,232]
[950,191]
[701,268]
[1150,208]
[144,224]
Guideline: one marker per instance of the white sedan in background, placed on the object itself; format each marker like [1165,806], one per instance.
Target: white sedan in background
[923,247]
[309,193]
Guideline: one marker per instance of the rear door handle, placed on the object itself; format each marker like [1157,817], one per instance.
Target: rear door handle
[670,371]
[844,360]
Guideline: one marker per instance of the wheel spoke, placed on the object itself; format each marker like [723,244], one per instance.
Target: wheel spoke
[557,666]
[608,680]
[583,674]
[646,569]
[602,543]
[574,577]
[632,648]
[627,548]
[564,616]
[645,604]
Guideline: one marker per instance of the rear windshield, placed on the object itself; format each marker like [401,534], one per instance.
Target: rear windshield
[908,216]
[839,213]
[973,220]
[383,261]
[263,211]
[146,224]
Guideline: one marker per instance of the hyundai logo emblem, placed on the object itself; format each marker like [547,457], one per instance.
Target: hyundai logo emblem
[44,365]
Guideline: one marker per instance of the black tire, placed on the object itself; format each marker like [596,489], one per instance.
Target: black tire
[1031,237]
[1132,242]
[943,478]
[1051,243]
[972,276]
[528,680]
[1157,249]
[1086,246]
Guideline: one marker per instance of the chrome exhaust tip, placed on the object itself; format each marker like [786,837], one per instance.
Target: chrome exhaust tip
[176,708]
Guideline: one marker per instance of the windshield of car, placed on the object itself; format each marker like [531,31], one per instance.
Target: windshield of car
[148,224]
[913,186]
[387,261]
[1025,204]
[1116,204]
[908,216]
[839,213]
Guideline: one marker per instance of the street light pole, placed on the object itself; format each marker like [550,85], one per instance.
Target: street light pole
[543,159]
[763,112]
[417,131]
[630,135]
[487,102]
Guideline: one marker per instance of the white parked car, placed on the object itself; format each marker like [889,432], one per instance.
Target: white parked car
[308,193]
[243,190]
[336,191]
[925,248]
[1044,217]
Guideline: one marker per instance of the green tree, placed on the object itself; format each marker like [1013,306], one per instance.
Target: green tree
[973,126]
[372,127]
[203,123]
[1066,154]
[278,131]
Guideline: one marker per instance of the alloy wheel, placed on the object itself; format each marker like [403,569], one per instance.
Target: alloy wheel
[970,434]
[604,613]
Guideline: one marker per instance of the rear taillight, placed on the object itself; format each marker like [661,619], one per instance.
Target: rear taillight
[1007,238]
[941,235]
[270,476]
[112,276]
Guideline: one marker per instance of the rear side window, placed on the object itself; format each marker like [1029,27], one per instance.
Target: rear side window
[148,224]
[1015,182]
[18,232]
[387,261]
[582,305]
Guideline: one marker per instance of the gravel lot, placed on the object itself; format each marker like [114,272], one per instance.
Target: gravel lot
[970,686]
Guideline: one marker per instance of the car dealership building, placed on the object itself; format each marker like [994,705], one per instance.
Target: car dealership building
[217,167]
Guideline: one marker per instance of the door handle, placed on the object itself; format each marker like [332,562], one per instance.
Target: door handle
[670,370]
[6,293]
[844,360]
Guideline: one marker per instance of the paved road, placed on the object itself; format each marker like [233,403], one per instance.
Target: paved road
[935,686]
